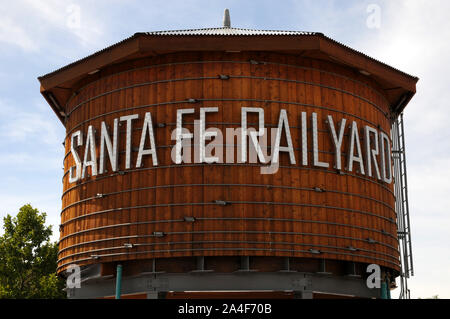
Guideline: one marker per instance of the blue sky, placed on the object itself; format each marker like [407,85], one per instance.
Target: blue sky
[37,37]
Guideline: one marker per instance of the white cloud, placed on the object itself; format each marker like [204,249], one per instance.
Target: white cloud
[20,126]
[431,181]
[412,38]
[34,24]
[12,33]
[72,17]
[27,162]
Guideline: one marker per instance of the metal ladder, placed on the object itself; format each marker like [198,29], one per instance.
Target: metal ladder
[401,206]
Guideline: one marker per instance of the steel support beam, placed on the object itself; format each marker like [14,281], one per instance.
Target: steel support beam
[305,284]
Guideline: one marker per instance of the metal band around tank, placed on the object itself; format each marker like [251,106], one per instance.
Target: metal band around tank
[224,232]
[231,62]
[230,77]
[230,202]
[223,164]
[224,242]
[268,219]
[228,185]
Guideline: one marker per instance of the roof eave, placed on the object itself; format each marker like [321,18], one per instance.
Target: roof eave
[398,108]
[365,63]
[90,63]
[53,104]
[141,44]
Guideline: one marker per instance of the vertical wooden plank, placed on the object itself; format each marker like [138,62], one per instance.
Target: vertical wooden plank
[329,99]
[306,212]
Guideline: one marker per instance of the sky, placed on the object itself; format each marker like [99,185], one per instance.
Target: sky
[39,36]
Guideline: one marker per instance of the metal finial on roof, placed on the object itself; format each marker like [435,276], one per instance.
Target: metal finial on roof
[226,19]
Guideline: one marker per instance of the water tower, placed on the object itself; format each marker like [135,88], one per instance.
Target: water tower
[336,204]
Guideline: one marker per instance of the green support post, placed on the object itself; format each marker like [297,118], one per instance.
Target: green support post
[118,281]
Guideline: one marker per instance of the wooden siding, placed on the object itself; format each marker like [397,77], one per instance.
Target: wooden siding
[269,215]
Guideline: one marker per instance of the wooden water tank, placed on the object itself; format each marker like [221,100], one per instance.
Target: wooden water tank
[266,215]
[172,212]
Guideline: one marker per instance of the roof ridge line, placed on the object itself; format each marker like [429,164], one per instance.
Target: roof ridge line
[225,29]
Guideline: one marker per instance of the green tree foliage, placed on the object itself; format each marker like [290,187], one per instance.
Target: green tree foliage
[28,258]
